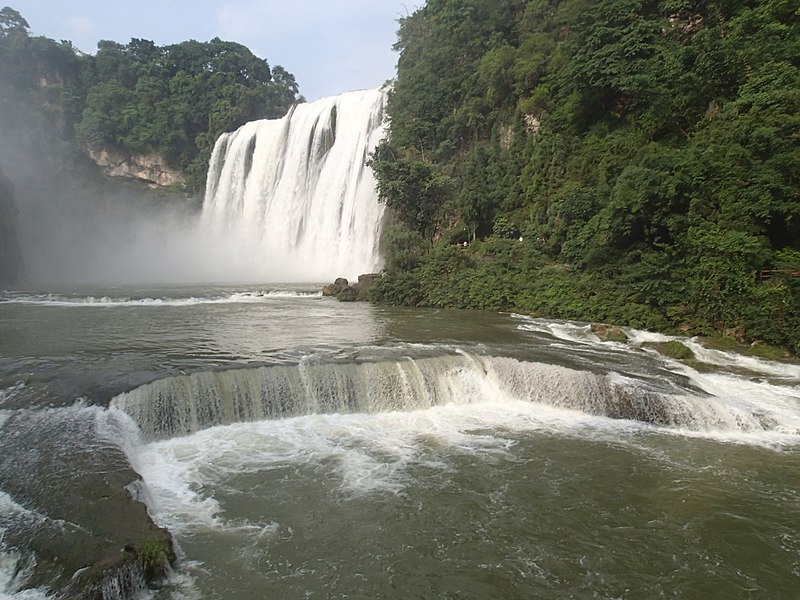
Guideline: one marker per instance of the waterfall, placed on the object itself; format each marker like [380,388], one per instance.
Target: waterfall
[296,192]
[188,403]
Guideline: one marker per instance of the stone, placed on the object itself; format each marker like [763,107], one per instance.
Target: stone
[343,291]
[150,168]
[609,333]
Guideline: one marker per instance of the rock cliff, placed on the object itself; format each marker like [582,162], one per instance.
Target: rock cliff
[150,168]
[10,256]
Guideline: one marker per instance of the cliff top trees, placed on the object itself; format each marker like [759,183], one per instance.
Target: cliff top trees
[177,99]
[136,97]
[11,21]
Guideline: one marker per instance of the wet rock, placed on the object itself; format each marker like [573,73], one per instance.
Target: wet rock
[343,291]
[609,333]
[674,349]
[335,288]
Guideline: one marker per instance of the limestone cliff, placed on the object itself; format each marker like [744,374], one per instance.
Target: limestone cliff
[150,168]
[10,256]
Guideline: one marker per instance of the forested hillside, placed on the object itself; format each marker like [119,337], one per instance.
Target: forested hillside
[133,98]
[628,161]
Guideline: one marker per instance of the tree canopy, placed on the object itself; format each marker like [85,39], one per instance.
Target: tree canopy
[139,97]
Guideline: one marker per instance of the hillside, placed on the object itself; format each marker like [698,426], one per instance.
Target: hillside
[139,110]
[629,161]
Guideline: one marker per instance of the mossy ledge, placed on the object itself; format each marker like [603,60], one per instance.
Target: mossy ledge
[609,333]
[672,349]
[756,349]
[125,572]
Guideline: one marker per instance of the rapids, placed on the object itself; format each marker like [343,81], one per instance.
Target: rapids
[300,447]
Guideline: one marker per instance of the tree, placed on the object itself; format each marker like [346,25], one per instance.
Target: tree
[12,22]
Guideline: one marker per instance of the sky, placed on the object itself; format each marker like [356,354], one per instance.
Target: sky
[330,46]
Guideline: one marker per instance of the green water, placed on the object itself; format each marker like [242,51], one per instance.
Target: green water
[486,495]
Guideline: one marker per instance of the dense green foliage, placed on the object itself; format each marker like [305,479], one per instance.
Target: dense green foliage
[632,161]
[138,97]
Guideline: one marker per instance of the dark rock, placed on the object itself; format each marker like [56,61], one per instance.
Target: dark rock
[348,294]
[335,288]
[343,291]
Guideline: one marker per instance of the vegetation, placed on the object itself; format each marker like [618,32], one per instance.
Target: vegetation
[154,557]
[628,161]
[674,349]
[10,258]
[135,98]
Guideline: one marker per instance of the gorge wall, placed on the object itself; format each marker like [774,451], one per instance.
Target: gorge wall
[10,256]
[150,168]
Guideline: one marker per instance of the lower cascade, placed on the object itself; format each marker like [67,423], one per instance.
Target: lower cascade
[297,191]
[188,403]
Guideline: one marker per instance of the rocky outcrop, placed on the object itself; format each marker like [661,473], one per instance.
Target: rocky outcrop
[95,533]
[10,255]
[672,349]
[343,291]
[150,168]
[609,333]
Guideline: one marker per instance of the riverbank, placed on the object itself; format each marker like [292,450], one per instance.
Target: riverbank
[508,275]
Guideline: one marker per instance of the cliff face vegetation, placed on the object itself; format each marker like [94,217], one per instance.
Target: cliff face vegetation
[132,100]
[630,161]
[10,257]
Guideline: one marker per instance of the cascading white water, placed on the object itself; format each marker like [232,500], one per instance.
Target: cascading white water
[296,193]
[185,404]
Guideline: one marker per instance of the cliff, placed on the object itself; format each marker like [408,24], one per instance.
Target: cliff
[10,256]
[150,168]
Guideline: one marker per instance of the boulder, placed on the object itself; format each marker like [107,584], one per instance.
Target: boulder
[335,288]
[609,333]
[342,290]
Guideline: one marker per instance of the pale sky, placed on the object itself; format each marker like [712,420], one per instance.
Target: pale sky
[330,46]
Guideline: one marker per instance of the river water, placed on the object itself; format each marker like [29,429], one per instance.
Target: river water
[298,447]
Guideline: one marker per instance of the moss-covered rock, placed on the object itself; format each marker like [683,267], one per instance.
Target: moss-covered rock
[757,349]
[609,333]
[673,349]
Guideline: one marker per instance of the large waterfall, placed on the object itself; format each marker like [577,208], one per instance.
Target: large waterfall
[296,193]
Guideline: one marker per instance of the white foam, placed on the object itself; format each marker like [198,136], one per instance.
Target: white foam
[570,331]
[735,360]
[10,392]
[14,570]
[368,454]
[109,301]
[777,403]
[13,576]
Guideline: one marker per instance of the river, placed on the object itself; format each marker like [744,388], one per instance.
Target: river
[298,447]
